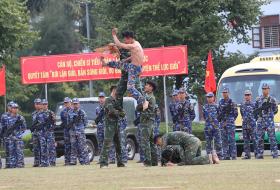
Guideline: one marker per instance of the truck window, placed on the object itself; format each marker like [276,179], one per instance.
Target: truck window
[129,109]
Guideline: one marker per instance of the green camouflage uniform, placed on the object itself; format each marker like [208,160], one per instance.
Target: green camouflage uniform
[147,120]
[111,132]
[190,151]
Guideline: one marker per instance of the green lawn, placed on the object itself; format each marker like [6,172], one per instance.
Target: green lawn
[229,175]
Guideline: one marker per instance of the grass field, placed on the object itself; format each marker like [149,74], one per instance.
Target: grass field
[229,175]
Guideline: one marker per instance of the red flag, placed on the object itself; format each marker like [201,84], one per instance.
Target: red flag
[210,82]
[2,81]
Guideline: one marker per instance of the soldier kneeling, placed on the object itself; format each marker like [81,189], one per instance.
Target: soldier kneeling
[182,148]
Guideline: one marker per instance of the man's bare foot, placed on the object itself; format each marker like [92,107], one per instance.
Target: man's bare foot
[145,105]
[103,63]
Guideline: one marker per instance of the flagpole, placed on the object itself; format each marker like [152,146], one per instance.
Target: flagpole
[5,102]
[165,104]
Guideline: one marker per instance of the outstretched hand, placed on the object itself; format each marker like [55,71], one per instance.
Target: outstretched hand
[114,31]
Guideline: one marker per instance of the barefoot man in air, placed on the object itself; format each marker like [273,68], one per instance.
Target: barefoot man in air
[133,65]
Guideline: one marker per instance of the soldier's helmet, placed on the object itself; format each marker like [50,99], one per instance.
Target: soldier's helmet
[101,94]
[37,101]
[67,100]
[175,92]
[14,105]
[44,101]
[75,101]
[225,90]
[265,86]
[210,94]
[9,104]
[247,92]
[182,90]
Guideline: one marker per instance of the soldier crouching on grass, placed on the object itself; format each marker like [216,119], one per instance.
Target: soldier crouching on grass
[181,148]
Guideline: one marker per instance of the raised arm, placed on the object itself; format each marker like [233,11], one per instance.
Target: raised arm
[118,43]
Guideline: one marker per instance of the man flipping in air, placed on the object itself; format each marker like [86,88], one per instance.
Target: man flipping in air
[134,68]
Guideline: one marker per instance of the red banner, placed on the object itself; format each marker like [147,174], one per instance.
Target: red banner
[81,67]
[210,79]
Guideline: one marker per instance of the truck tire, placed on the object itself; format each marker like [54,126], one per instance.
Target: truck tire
[239,150]
[131,148]
[91,149]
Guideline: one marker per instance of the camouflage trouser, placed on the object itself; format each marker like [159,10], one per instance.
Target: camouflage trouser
[111,134]
[133,78]
[67,146]
[228,141]
[193,153]
[185,126]
[249,135]
[100,139]
[141,152]
[78,147]
[36,148]
[123,142]
[51,147]
[44,151]
[213,135]
[147,143]
[262,126]
[156,133]
[14,152]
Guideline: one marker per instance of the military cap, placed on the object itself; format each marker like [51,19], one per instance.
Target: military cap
[225,90]
[67,100]
[75,101]
[182,90]
[101,94]
[248,92]
[37,101]
[152,84]
[175,92]
[44,101]
[14,105]
[210,94]
[265,86]
[10,103]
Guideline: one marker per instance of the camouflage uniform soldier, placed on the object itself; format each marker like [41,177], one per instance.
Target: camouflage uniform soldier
[13,127]
[147,120]
[212,129]
[184,112]
[122,126]
[132,68]
[100,113]
[78,120]
[138,135]
[65,122]
[50,133]
[112,131]
[188,146]
[40,128]
[4,115]
[35,137]
[156,129]
[248,124]
[227,115]
[172,109]
[265,109]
